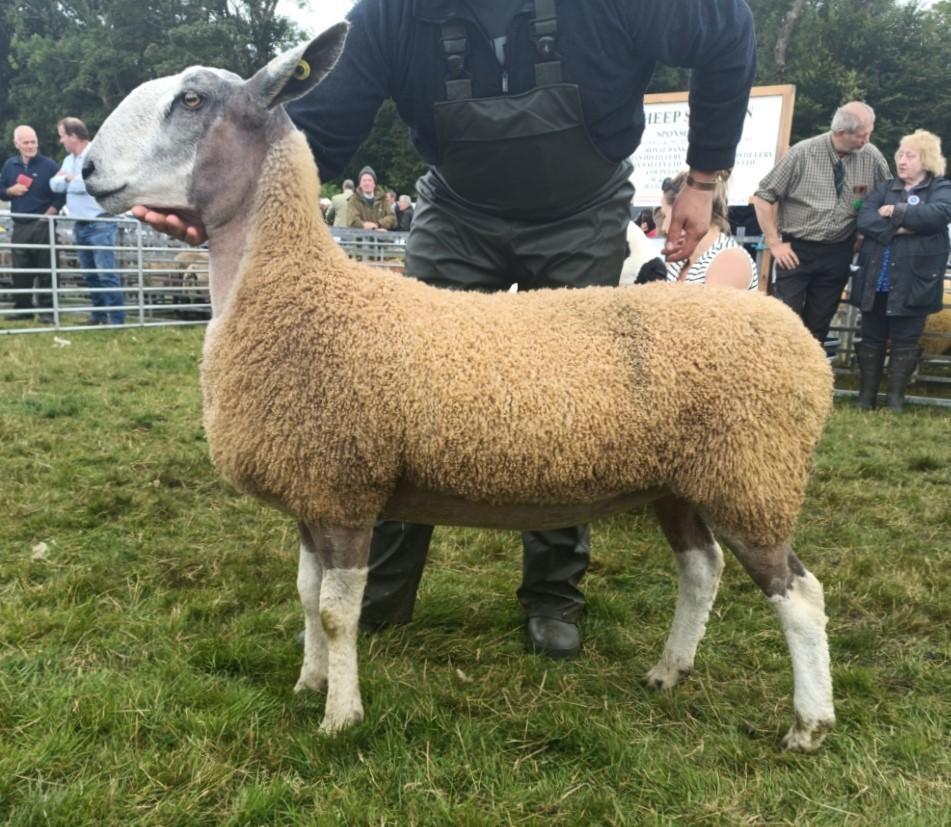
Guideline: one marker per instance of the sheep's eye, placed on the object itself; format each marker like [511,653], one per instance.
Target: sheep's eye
[192,100]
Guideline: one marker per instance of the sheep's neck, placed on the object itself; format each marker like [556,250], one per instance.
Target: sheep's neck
[285,198]
[226,248]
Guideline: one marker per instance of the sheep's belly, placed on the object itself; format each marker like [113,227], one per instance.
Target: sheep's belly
[421,506]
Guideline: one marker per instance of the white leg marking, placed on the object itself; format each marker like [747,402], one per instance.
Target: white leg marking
[802,615]
[313,673]
[341,597]
[699,578]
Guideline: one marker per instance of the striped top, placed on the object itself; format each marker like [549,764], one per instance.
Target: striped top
[698,273]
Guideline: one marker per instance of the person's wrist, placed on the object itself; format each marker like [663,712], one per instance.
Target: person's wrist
[706,180]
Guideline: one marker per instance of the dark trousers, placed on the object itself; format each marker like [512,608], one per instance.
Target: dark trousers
[814,287]
[451,246]
[33,232]
[878,328]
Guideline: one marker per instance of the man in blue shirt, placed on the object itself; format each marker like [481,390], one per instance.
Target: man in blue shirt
[98,265]
[25,183]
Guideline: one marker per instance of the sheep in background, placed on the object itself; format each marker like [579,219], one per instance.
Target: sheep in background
[342,394]
[644,262]
[936,340]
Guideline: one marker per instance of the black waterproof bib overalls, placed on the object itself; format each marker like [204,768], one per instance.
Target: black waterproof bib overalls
[520,195]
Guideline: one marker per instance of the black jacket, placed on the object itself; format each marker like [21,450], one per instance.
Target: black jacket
[919,260]
[608,48]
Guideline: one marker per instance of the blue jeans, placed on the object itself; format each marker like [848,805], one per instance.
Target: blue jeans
[100,234]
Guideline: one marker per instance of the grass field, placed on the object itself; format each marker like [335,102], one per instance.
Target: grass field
[147,617]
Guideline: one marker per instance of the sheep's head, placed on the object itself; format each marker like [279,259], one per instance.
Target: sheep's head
[193,142]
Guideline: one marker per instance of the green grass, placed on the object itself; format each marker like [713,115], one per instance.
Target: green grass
[146,664]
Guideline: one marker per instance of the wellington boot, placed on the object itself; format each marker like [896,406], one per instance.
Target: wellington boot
[871,361]
[901,365]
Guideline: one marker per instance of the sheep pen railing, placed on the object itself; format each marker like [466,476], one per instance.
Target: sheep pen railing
[165,283]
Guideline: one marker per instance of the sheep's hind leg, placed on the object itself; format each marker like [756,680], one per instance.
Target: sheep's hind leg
[796,595]
[342,553]
[313,673]
[699,564]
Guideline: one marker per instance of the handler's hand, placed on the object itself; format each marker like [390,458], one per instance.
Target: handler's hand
[886,210]
[173,225]
[784,255]
[689,222]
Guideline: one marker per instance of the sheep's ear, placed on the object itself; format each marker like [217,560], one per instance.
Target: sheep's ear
[298,70]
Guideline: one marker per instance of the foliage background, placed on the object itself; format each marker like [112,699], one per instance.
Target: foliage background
[81,57]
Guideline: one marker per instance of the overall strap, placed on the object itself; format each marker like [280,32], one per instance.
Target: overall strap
[545,35]
[459,84]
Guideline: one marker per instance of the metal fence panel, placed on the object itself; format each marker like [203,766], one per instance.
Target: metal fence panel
[165,282]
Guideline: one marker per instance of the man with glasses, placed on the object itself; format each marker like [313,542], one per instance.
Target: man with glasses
[807,206]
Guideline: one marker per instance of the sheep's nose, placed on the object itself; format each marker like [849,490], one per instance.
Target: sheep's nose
[88,169]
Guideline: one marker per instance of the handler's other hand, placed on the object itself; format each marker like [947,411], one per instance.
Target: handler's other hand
[784,255]
[689,222]
[189,230]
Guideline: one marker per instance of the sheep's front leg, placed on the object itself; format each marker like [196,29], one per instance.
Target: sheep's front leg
[796,595]
[313,673]
[331,579]
[699,564]
[341,598]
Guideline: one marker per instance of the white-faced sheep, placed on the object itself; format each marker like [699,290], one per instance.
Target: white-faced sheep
[342,394]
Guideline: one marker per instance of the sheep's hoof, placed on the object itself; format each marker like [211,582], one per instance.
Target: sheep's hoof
[311,682]
[806,736]
[333,723]
[665,676]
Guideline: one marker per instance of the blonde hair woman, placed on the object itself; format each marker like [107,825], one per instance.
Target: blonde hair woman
[717,259]
[901,265]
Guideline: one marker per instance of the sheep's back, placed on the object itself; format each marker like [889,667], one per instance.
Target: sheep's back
[567,395]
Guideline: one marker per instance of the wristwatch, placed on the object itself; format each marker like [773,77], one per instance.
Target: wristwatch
[719,177]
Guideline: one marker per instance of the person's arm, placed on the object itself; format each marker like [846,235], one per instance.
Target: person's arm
[776,185]
[59,182]
[730,268]
[714,38]
[354,221]
[388,221]
[8,181]
[337,114]
[925,219]
[767,215]
[874,219]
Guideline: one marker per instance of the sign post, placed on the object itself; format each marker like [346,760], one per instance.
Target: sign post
[663,149]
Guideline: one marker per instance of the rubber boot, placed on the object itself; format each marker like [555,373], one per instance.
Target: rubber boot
[553,563]
[901,365]
[871,361]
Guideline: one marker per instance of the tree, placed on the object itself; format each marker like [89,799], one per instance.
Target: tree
[81,57]
[894,55]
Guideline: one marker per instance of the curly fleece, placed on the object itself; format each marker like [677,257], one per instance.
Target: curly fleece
[326,382]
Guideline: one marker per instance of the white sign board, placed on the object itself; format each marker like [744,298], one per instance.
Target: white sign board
[663,149]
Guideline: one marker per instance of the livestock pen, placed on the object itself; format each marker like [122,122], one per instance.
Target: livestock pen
[165,284]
